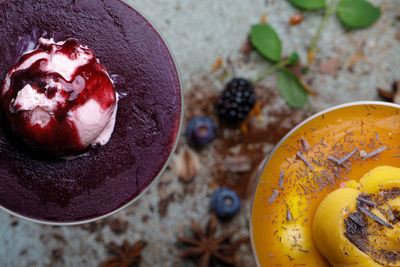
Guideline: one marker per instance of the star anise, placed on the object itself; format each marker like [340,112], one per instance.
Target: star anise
[127,255]
[207,248]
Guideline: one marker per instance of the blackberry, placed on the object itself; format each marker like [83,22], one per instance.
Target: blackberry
[236,101]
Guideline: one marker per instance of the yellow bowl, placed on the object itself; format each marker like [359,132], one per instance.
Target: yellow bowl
[315,158]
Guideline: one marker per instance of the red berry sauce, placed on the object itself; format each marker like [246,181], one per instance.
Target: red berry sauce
[89,81]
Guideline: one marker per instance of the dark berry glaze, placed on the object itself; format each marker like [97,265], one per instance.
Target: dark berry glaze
[148,115]
[90,81]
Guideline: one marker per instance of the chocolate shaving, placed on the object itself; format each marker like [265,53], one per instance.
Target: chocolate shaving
[290,258]
[343,159]
[305,160]
[375,152]
[356,219]
[375,218]
[366,201]
[348,156]
[355,230]
[363,235]
[303,250]
[280,184]
[288,214]
[273,197]
[391,216]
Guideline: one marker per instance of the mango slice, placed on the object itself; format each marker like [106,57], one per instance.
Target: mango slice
[382,241]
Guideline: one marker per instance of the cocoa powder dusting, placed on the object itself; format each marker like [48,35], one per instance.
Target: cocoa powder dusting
[262,132]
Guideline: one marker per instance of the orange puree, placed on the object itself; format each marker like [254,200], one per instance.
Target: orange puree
[339,145]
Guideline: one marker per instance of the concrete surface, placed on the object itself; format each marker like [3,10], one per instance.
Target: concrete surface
[198,33]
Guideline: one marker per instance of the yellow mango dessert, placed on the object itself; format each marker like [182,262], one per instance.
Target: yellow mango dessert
[329,193]
[358,225]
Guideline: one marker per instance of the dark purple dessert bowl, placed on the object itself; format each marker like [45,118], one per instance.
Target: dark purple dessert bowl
[107,178]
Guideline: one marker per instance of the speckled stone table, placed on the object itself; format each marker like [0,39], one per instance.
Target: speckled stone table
[198,33]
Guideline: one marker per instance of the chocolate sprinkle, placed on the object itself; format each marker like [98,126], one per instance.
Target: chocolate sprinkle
[305,160]
[288,214]
[337,161]
[280,184]
[273,197]
[344,159]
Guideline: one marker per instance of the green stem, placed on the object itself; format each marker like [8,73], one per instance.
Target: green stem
[329,12]
[271,70]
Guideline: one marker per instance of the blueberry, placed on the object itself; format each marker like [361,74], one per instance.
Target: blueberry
[200,131]
[225,203]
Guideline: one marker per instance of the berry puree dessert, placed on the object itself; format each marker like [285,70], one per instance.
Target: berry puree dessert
[91,108]
[329,194]
[59,99]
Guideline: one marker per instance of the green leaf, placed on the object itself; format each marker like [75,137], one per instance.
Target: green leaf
[293,58]
[357,14]
[291,89]
[264,38]
[308,4]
